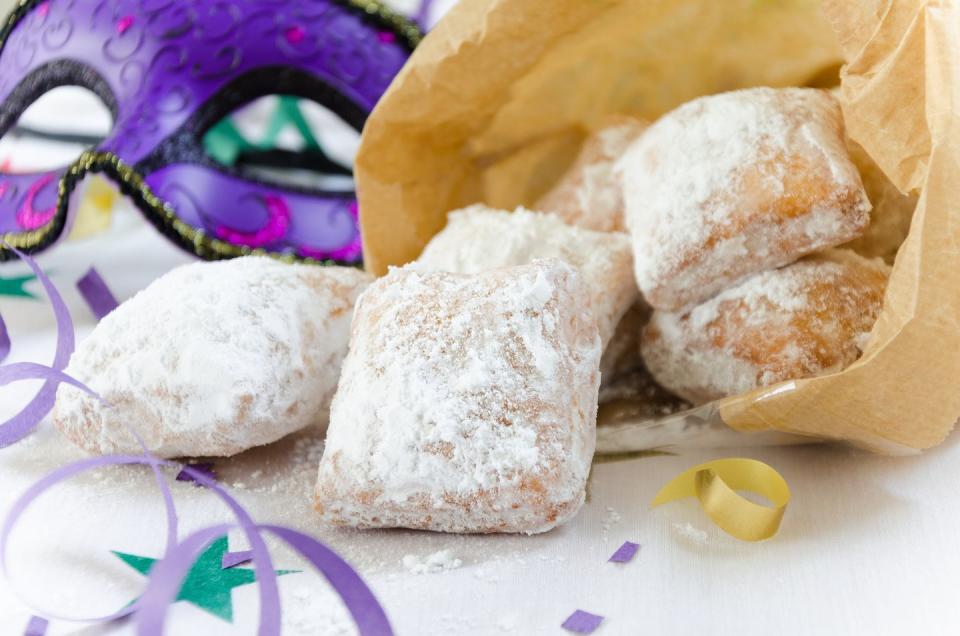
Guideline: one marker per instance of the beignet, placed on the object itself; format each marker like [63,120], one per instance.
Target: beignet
[212,359]
[805,319]
[479,238]
[589,194]
[733,184]
[467,403]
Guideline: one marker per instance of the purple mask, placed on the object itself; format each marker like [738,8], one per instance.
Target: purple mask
[169,70]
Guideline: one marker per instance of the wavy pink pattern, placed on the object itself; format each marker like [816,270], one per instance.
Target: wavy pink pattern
[27,217]
[124,24]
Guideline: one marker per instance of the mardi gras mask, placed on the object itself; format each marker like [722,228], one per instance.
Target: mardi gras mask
[170,71]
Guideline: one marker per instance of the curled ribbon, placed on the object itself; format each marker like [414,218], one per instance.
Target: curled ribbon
[25,422]
[4,340]
[167,575]
[715,484]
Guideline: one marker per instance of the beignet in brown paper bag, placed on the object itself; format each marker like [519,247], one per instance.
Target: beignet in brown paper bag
[494,103]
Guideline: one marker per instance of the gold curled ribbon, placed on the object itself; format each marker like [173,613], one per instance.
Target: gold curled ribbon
[715,484]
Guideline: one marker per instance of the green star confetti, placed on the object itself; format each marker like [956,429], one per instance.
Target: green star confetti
[207,585]
[15,286]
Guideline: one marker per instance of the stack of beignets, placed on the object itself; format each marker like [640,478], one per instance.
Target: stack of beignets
[723,196]
[468,398]
[730,185]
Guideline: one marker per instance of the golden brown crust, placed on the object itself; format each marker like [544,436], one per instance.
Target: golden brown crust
[799,321]
[589,194]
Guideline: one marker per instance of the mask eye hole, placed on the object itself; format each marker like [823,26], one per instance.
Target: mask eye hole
[286,140]
[55,129]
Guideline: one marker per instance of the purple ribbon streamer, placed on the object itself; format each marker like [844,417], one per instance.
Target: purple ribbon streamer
[26,421]
[233,559]
[4,340]
[167,574]
[95,291]
[156,600]
[422,17]
[187,475]
[66,472]
[18,371]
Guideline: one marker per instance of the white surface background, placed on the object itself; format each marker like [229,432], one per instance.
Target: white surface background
[868,544]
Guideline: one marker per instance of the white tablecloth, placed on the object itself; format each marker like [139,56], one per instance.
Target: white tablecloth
[867,545]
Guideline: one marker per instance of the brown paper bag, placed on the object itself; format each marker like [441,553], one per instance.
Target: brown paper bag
[492,107]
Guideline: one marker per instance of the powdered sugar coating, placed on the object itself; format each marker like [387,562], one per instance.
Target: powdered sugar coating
[466,403]
[479,238]
[802,320]
[589,194]
[730,185]
[213,358]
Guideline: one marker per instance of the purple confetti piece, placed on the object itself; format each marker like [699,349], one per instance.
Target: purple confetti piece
[36,627]
[26,421]
[625,553]
[231,559]
[95,291]
[189,472]
[4,340]
[581,622]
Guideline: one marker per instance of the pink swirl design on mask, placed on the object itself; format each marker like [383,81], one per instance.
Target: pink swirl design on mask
[124,24]
[27,217]
[349,252]
[278,213]
[295,34]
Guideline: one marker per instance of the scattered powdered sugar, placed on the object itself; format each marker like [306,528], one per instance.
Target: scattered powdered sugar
[466,403]
[798,321]
[439,561]
[213,358]
[688,531]
[611,518]
[732,184]
[479,238]
[508,623]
